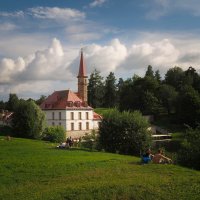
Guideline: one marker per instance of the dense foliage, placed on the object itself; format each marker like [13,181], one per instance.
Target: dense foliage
[190,151]
[28,120]
[54,134]
[177,94]
[124,132]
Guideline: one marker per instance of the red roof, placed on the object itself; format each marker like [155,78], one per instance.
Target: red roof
[97,116]
[82,67]
[64,99]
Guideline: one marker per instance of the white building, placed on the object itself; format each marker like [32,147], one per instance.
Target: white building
[71,110]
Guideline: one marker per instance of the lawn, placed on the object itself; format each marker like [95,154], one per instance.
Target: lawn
[32,169]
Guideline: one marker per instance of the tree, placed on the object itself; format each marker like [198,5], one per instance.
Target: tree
[150,103]
[2,105]
[110,91]
[157,76]
[12,102]
[140,94]
[174,77]
[168,96]
[189,153]
[124,132]
[188,106]
[95,89]
[28,120]
[40,100]
[149,72]
[192,78]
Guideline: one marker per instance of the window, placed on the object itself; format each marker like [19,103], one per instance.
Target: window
[80,126]
[79,115]
[52,115]
[60,116]
[53,124]
[87,115]
[87,125]
[72,126]
[72,116]
[60,124]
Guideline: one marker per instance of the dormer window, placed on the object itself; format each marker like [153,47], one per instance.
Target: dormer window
[70,104]
[77,103]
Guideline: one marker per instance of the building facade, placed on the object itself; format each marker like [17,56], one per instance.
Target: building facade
[71,110]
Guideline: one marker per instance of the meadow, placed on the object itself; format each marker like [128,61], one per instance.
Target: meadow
[32,169]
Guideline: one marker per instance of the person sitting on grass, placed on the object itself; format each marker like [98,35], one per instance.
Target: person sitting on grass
[159,158]
[69,141]
[147,157]
[62,145]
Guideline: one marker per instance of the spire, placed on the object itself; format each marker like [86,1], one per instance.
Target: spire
[82,80]
[82,67]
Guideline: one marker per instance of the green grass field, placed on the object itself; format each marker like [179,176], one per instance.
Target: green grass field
[32,169]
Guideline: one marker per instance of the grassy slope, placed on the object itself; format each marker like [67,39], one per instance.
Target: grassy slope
[36,170]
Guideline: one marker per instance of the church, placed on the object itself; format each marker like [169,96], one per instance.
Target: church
[70,109]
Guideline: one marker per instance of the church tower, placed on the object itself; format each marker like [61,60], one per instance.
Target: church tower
[82,79]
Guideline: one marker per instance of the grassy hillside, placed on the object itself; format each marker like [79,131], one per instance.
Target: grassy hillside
[36,170]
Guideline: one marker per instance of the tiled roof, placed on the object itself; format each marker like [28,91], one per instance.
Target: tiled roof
[97,116]
[64,99]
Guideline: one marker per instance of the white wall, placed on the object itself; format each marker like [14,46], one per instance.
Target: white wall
[56,119]
[76,119]
[66,120]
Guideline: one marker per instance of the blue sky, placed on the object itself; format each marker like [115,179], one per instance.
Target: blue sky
[40,40]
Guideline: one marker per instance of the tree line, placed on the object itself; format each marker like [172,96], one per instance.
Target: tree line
[178,93]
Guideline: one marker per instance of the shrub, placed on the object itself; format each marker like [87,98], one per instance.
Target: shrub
[6,130]
[90,141]
[54,134]
[190,149]
[124,132]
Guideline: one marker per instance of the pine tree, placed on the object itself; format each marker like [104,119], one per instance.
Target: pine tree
[149,72]
[110,94]
[95,89]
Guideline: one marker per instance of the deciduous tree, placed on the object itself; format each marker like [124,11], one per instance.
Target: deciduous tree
[28,120]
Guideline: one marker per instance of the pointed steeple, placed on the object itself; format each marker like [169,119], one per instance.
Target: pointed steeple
[82,67]
[82,79]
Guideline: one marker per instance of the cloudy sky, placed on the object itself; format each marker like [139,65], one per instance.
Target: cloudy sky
[40,40]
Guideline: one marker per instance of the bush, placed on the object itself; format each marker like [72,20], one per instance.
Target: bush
[90,141]
[6,130]
[190,149]
[124,132]
[54,134]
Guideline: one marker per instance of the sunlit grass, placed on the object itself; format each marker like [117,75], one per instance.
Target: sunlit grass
[33,169]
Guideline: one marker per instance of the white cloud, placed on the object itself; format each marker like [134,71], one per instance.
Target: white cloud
[161,54]
[42,65]
[97,3]
[106,58]
[12,14]
[56,13]
[53,68]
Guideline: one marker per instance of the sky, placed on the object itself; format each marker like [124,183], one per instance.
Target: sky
[40,41]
